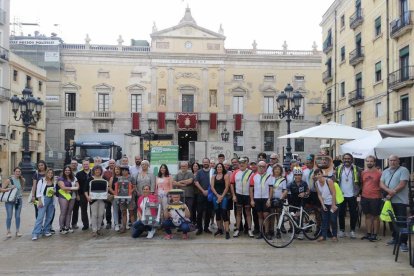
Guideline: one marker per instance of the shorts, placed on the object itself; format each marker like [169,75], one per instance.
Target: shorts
[126,205]
[277,203]
[371,206]
[260,205]
[243,200]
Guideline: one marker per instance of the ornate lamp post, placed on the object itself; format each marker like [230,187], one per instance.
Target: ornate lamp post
[30,109]
[225,135]
[149,134]
[284,101]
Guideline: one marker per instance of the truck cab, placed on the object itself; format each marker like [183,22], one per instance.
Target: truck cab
[104,149]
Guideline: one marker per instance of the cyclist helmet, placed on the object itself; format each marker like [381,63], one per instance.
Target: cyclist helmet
[297,170]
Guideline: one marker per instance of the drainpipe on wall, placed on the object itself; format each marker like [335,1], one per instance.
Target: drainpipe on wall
[387,24]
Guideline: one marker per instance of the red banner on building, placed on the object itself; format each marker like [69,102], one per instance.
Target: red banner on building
[187,121]
[238,122]
[135,121]
[161,120]
[213,121]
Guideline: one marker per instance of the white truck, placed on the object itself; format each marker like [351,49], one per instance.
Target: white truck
[199,150]
[105,145]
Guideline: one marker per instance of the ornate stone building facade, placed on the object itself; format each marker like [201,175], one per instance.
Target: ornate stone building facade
[186,86]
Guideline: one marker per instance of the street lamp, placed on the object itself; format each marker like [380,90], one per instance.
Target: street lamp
[284,101]
[149,134]
[30,109]
[225,135]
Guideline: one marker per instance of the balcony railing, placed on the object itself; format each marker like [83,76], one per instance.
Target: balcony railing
[327,109]
[3,132]
[356,56]
[33,145]
[327,45]
[401,25]
[2,17]
[356,19]
[356,97]
[102,115]
[70,114]
[402,115]
[4,94]
[269,117]
[401,78]
[4,54]
[327,76]
[357,124]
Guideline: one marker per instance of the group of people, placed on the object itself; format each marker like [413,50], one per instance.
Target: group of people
[209,192]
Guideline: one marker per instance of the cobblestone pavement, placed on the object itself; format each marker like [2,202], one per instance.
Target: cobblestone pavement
[80,254]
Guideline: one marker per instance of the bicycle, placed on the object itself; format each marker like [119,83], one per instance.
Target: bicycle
[284,226]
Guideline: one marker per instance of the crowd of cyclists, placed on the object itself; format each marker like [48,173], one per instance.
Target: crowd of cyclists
[213,193]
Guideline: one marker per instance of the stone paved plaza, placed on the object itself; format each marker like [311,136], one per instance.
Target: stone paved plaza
[80,254]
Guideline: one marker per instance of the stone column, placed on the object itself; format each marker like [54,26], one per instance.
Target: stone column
[152,97]
[170,90]
[220,90]
[205,93]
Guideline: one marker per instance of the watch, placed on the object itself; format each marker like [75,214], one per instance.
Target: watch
[188,44]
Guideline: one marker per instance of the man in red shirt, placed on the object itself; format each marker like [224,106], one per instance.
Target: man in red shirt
[371,198]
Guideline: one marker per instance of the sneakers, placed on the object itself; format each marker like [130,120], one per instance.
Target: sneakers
[150,234]
[341,234]
[48,234]
[117,228]
[219,232]
[34,238]
[236,233]
[391,242]
[250,232]
[185,236]
[52,231]
[168,237]
[75,226]
[108,226]
[63,231]
[227,235]
[300,236]
[18,234]
[8,235]
[70,230]
[352,235]
[366,237]
[403,247]
[373,238]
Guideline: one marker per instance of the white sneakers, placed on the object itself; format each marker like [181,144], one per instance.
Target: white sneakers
[342,234]
[117,228]
[352,235]
[236,233]
[151,234]
[300,236]
[250,232]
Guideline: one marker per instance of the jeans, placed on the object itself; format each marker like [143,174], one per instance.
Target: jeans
[9,210]
[138,228]
[97,214]
[400,212]
[204,209]
[329,218]
[168,225]
[44,214]
[351,202]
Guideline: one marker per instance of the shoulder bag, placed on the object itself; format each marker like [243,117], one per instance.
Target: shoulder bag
[9,196]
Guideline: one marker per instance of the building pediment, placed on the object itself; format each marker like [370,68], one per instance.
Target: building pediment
[135,86]
[70,86]
[103,87]
[187,28]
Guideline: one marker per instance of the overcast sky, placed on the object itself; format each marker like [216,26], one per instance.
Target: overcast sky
[269,22]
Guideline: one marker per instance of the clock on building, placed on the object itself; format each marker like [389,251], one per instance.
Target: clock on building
[188,44]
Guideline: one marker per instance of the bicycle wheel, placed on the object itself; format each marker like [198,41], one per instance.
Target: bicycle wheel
[311,229]
[278,236]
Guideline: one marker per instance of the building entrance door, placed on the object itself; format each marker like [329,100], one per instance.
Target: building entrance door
[183,138]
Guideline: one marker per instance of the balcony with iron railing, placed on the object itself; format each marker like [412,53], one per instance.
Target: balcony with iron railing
[103,115]
[404,77]
[327,76]
[327,109]
[4,54]
[3,130]
[269,117]
[401,25]
[356,97]
[327,45]
[402,115]
[357,124]
[4,94]
[356,19]
[33,145]
[356,56]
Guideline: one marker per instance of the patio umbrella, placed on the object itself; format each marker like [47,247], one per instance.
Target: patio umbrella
[401,129]
[402,147]
[329,130]
[363,147]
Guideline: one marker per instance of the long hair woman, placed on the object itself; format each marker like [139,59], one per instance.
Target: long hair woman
[111,190]
[67,185]
[18,182]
